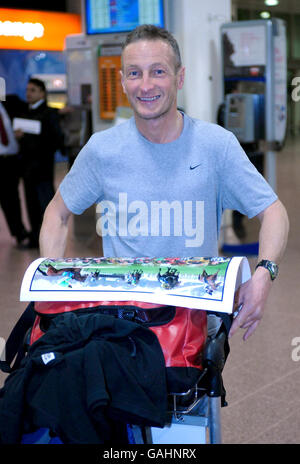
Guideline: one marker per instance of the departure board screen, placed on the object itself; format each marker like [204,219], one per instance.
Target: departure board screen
[113,16]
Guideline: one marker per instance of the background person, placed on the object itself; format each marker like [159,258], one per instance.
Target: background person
[37,155]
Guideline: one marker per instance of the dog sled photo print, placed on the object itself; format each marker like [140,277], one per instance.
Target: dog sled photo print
[196,283]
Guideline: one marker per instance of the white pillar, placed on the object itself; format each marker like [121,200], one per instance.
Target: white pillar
[196,25]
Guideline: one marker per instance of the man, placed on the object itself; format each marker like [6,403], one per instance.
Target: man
[162,180]
[37,155]
[10,169]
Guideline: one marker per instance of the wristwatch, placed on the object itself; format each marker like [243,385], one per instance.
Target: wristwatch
[271,266]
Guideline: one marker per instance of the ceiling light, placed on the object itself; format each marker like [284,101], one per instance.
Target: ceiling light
[271,2]
[265,14]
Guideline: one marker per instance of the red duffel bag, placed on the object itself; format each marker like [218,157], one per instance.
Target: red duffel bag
[181,332]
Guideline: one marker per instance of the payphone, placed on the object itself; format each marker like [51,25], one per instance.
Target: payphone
[244,116]
[254,62]
[255,101]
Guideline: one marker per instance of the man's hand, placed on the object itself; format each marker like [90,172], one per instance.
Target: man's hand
[252,295]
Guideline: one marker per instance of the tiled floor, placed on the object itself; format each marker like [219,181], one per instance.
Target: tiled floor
[261,378]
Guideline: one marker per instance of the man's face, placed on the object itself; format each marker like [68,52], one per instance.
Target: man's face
[149,78]
[34,93]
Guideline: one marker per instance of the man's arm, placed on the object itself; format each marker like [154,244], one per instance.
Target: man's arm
[254,293]
[54,230]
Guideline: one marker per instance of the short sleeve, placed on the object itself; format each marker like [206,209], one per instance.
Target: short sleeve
[82,186]
[243,188]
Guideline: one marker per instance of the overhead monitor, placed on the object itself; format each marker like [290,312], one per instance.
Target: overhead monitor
[116,16]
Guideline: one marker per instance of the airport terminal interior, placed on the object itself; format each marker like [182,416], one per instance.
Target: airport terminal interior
[262,374]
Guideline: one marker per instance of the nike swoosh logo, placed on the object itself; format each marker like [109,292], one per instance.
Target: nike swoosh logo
[194,167]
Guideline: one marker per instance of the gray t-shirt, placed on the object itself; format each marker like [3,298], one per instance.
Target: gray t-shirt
[164,199]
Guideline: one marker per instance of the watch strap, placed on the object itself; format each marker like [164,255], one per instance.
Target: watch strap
[270,266]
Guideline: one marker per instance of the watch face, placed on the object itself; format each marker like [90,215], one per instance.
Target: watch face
[273,268]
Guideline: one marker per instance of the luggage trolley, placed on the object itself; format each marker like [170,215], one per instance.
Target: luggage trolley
[194,416]
[194,408]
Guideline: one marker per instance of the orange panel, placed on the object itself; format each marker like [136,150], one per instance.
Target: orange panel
[36,30]
[111,91]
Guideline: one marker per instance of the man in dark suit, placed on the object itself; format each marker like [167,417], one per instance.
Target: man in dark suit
[37,155]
